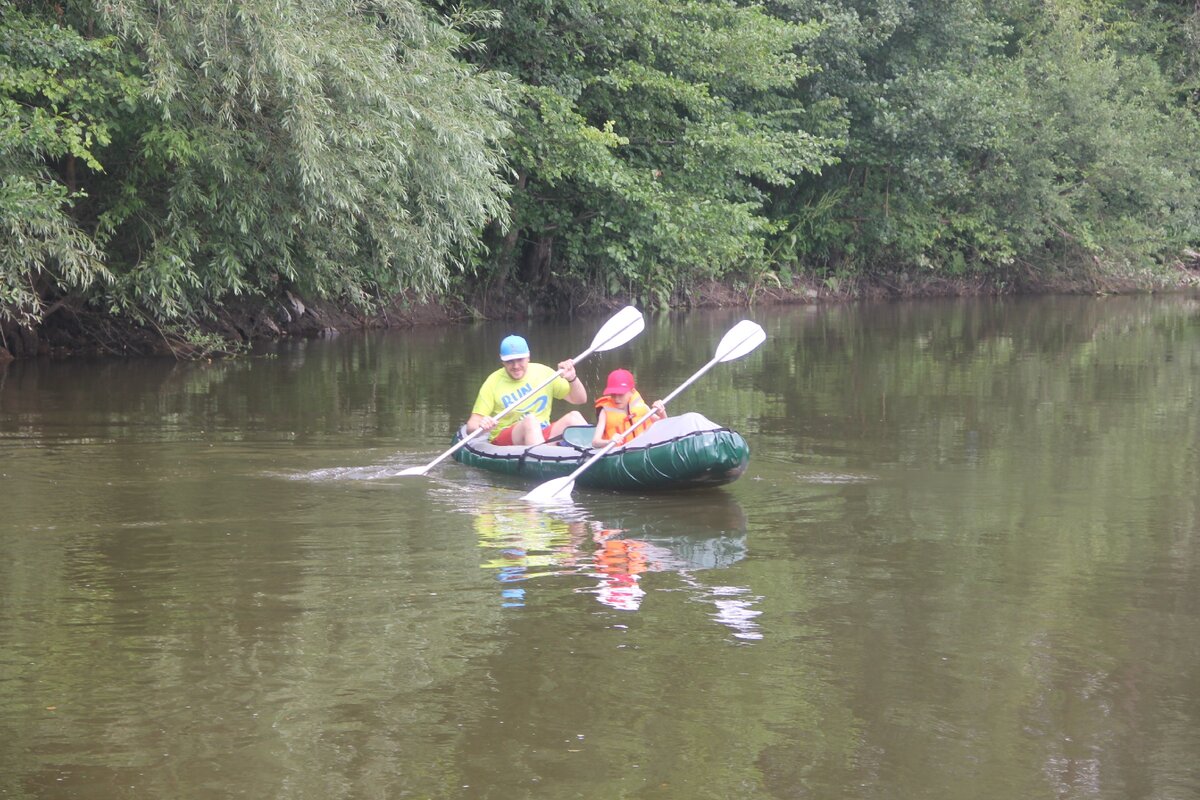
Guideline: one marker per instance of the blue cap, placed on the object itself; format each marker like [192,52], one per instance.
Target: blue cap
[513,347]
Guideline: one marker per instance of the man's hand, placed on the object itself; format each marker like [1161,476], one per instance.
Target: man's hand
[567,368]
[479,421]
[578,393]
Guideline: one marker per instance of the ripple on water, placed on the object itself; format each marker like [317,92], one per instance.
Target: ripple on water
[834,477]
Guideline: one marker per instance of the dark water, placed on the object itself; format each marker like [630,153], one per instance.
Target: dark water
[964,562]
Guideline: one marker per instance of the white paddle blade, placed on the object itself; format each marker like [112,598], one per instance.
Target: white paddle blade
[414,470]
[742,338]
[621,328]
[552,491]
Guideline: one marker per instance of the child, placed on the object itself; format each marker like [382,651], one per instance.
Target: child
[620,407]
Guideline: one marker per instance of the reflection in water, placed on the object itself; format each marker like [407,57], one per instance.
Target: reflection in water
[618,565]
[519,543]
[736,611]
[687,534]
[668,534]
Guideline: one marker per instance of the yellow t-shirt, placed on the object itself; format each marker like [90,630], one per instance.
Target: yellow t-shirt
[500,391]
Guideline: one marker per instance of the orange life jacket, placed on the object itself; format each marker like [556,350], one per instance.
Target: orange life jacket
[617,421]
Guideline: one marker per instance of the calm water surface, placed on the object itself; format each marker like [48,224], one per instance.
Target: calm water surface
[964,562]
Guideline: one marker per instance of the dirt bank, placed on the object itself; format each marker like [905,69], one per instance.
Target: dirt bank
[74,330]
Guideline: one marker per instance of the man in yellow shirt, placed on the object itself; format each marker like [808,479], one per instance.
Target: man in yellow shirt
[514,383]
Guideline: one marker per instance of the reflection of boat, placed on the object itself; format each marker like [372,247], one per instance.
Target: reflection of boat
[687,451]
[686,531]
[680,514]
[692,552]
[637,545]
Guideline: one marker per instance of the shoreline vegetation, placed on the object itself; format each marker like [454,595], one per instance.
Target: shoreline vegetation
[190,177]
[235,328]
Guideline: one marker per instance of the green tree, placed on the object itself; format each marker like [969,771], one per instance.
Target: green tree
[60,96]
[343,149]
[1014,141]
[646,137]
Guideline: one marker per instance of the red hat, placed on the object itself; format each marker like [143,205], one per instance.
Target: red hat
[620,381]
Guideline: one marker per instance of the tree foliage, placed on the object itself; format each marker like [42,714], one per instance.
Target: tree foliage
[1014,140]
[340,148]
[646,135]
[61,94]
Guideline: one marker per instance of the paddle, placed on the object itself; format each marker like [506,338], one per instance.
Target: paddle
[620,328]
[741,339]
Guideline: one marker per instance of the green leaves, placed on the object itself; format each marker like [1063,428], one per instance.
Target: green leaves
[361,131]
[1010,140]
[646,132]
[59,96]
[340,148]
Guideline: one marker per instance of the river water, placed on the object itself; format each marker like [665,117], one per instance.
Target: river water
[964,561]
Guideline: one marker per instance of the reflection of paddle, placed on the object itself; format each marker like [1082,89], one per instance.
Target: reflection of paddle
[623,326]
[741,339]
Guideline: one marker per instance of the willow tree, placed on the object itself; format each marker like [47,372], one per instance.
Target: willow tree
[339,148]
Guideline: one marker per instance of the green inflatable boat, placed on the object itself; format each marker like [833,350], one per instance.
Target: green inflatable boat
[683,452]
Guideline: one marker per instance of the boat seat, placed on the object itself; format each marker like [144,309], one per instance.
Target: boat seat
[579,435]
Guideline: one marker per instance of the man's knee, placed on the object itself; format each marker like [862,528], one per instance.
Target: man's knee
[566,421]
[528,431]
